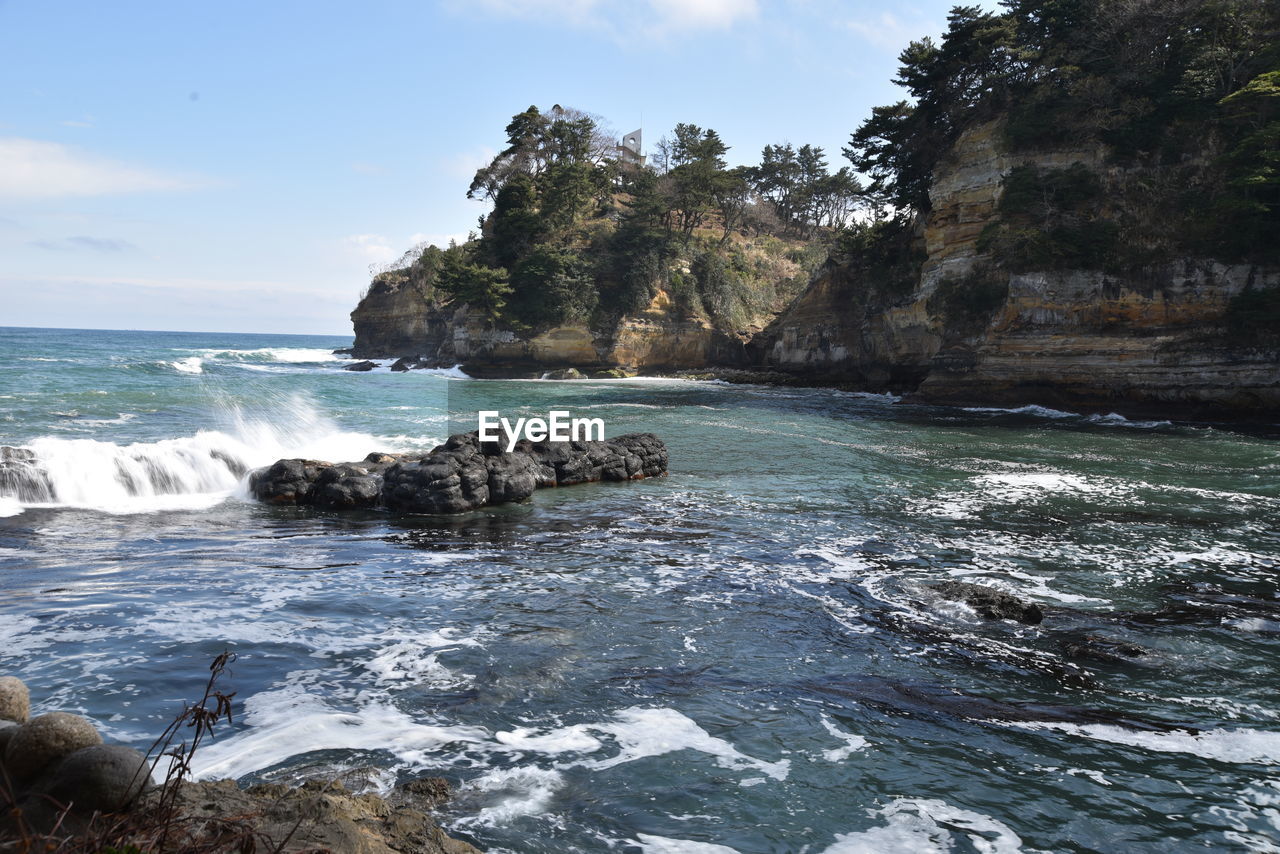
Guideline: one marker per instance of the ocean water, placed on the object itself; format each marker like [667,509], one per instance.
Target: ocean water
[744,656]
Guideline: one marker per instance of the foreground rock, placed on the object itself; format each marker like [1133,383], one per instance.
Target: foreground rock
[61,788]
[991,603]
[15,702]
[56,762]
[462,474]
[324,815]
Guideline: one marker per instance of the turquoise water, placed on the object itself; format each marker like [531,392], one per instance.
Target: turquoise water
[743,656]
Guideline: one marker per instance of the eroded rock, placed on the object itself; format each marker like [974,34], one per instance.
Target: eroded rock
[462,474]
[990,603]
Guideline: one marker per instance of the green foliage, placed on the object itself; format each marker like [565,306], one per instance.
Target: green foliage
[721,289]
[803,193]
[1050,219]
[1254,314]
[968,302]
[884,254]
[483,288]
[1160,84]
[966,78]
[552,286]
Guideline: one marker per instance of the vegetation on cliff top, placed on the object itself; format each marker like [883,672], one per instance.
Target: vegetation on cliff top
[582,233]
[1184,94]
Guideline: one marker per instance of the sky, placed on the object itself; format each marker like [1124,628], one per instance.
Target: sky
[238,166]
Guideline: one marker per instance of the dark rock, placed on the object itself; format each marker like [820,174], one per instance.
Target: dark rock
[462,474]
[361,366]
[341,486]
[404,363]
[424,792]
[46,739]
[990,603]
[1105,650]
[22,476]
[102,778]
[565,374]
[7,731]
[15,700]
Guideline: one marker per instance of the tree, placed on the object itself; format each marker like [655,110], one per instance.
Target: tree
[483,289]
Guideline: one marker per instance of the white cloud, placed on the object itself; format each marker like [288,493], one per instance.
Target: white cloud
[441,240]
[624,19]
[680,15]
[35,169]
[372,248]
[890,33]
[94,244]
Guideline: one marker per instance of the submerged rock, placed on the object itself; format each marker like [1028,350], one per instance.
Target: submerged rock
[361,366]
[990,603]
[462,474]
[1106,650]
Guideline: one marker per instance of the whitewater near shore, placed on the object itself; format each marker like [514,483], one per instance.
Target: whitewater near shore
[748,655]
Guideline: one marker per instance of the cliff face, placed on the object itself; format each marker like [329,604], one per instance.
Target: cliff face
[397,317]
[1074,338]
[401,322]
[1153,339]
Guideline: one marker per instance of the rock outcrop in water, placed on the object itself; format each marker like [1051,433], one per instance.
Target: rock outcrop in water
[990,603]
[462,474]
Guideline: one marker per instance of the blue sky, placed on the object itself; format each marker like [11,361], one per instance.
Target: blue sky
[238,166]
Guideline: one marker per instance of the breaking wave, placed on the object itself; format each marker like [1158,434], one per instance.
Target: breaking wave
[185,473]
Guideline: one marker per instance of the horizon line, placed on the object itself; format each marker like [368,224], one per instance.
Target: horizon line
[183,331]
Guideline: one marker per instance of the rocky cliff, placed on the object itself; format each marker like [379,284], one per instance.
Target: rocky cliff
[400,315]
[1140,336]
[1152,338]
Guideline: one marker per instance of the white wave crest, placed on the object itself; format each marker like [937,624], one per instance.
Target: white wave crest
[187,473]
[922,825]
[189,365]
[287,355]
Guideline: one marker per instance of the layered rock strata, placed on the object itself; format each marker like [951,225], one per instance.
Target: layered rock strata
[1149,341]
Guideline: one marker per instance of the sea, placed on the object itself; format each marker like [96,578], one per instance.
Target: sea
[748,655]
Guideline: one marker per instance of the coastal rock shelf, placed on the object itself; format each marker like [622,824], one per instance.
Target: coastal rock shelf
[462,474]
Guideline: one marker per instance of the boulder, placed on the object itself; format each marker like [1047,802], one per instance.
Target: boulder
[7,730]
[15,700]
[404,363]
[314,483]
[990,603]
[565,374]
[102,778]
[46,739]
[361,366]
[462,474]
